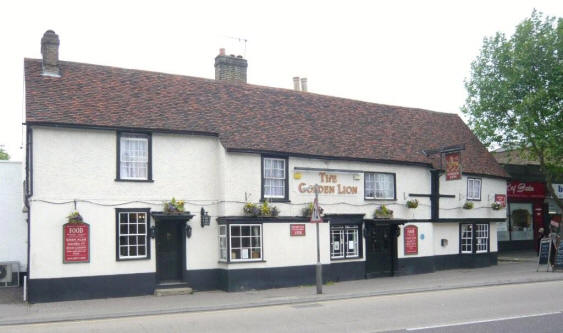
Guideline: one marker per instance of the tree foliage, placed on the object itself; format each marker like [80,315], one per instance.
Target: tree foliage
[515,93]
[3,154]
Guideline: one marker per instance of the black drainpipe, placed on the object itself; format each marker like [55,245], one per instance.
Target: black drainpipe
[434,195]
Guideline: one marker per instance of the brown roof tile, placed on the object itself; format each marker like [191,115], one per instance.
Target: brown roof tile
[247,117]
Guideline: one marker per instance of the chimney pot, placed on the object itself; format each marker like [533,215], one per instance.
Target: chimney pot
[304,84]
[296,83]
[50,52]
[222,51]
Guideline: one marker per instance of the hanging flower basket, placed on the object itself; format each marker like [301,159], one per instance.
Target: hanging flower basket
[173,206]
[383,213]
[260,210]
[75,217]
[468,205]
[496,205]
[307,211]
[412,203]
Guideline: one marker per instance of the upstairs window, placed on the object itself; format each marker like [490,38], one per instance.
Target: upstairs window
[274,178]
[379,185]
[473,189]
[134,157]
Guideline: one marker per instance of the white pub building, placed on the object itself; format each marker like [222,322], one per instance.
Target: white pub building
[107,147]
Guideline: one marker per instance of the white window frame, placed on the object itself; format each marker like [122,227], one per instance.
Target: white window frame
[144,160]
[374,185]
[130,235]
[249,248]
[474,189]
[466,238]
[344,232]
[223,245]
[481,238]
[284,178]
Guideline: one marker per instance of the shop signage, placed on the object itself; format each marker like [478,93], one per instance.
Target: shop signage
[411,239]
[297,230]
[453,166]
[532,190]
[330,184]
[558,264]
[543,256]
[76,242]
[501,199]
[558,189]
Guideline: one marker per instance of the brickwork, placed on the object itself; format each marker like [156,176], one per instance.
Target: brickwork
[230,68]
[50,52]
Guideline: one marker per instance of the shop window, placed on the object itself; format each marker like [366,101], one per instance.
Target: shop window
[344,241]
[474,189]
[134,157]
[132,234]
[240,242]
[379,185]
[274,178]
[521,221]
[474,238]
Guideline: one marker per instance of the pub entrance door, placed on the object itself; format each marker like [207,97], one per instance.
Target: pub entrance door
[170,250]
[380,253]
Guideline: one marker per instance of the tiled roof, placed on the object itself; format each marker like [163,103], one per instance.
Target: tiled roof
[247,117]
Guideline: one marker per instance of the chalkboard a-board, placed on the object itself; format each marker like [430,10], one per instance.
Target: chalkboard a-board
[559,258]
[543,257]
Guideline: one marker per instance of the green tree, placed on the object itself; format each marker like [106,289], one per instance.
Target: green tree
[3,154]
[515,93]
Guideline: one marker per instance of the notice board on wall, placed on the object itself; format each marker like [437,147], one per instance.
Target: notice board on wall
[76,242]
[411,239]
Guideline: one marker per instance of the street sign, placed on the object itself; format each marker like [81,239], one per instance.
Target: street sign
[316,214]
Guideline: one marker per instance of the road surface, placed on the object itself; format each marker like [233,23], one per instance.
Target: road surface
[532,307]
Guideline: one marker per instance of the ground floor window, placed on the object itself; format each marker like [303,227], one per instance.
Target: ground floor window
[344,241]
[474,238]
[240,242]
[132,234]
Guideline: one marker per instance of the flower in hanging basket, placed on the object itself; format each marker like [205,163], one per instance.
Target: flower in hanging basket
[174,206]
[383,212]
[75,217]
[468,205]
[496,205]
[412,203]
[307,211]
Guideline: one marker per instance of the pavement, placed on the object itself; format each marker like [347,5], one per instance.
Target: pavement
[508,271]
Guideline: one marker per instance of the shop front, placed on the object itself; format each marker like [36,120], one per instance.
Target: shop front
[526,215]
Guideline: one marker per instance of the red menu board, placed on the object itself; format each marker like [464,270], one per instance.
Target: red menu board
[501,199]
[411,239]
[297,230]
[76,242]
[453,166]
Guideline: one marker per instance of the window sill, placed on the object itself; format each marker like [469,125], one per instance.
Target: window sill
[473,199]
[135,180]
[240,262]
[375,199]
[132,259]
[275,200]
[344,259]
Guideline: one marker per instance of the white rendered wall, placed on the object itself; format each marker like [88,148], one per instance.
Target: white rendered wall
[13,226]
[450,232]
[452,207]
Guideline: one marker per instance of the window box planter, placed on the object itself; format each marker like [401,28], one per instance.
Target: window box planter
[260,210]
[383,213]
[496,205]
[468,205]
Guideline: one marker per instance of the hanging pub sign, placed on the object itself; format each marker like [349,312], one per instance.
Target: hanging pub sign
[501,199]
[76,242]
[453,165]
[411,239]
[297,230]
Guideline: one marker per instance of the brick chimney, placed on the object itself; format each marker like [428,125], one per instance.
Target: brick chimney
[50,52]
[230,68]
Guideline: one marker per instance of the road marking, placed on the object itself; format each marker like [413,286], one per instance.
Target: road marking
[483,321]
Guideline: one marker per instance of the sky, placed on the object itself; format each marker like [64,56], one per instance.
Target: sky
[407,53]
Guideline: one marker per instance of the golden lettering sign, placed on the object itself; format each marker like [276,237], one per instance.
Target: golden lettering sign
[329,185]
